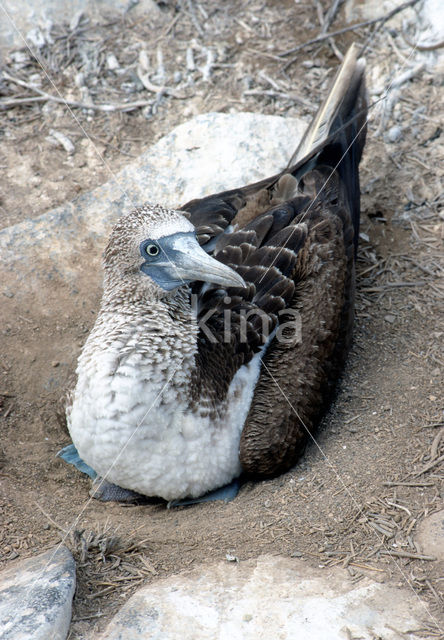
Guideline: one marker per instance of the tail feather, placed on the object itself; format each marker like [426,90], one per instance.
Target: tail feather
[335,138]
[338,104]
[336,135]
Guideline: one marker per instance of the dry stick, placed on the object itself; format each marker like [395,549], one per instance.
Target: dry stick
[408,484]
[89,617]
[405,554]
[112,146]
[422,47]
[279,94]
[330,15]
[389,285]
[262,53]
[353,27]
[433,590]
[8,411]
[129,106]
[194,19]
[154,88]
[435,444]
[365,566]
[326,23]
[408,75]
[53,522]
[169,27]
[424,426]
[429,466]
[371,36]
[5,104]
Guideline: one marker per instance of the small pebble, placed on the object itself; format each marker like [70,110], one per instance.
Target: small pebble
[35,79]
[20,57]
[394,134]
[79,80]
[111,62]
[247,82]
[55,363]
[231,558]
[390,318]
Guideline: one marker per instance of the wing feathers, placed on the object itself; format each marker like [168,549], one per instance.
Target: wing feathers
[283,236]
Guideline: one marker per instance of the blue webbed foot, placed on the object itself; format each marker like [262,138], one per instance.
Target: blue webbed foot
[225,493]
[70,455]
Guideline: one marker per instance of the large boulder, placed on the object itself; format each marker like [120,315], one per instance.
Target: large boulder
[270,597]
[36,597]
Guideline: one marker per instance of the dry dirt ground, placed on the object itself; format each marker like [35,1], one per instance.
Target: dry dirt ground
[375,470]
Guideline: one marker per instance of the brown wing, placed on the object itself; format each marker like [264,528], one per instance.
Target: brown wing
[301,365]
[296,380]
[292,237]
[236,323]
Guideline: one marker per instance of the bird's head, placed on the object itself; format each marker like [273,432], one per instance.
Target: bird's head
[156,249]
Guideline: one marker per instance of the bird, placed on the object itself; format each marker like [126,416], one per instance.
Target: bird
[225,324]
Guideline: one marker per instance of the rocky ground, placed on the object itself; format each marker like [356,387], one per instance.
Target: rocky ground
[362,492]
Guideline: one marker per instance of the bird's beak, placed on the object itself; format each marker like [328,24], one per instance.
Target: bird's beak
[191,263]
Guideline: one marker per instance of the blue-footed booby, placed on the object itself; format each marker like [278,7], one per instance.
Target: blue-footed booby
[224,324]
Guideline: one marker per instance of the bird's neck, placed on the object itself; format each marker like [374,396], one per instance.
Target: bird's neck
[138,294]
[164,328]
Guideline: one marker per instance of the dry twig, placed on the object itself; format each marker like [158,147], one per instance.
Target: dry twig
[279,94]
[436,443]
[326,21]
[429,466]
[193,17]
[128,106]
[366,23]
[408,484]
[406,554]
[53,522]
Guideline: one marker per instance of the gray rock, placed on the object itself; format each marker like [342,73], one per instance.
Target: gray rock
[271,597]
[32,19]
[430,535]
[36,597]
[209,153]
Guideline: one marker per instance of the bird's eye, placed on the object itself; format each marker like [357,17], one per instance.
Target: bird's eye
[152,250]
